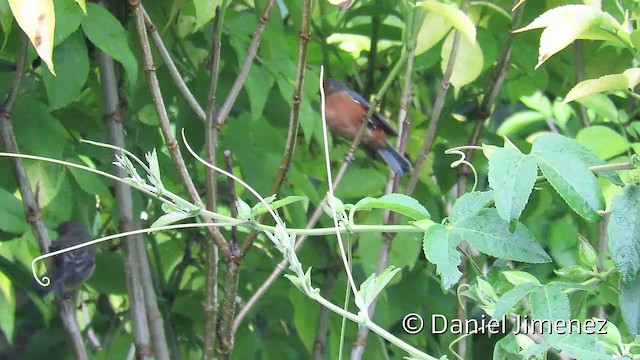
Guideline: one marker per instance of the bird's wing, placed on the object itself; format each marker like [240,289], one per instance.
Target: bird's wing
[378,121]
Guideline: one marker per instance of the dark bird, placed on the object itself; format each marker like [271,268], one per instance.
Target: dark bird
[345,112]
[71,269]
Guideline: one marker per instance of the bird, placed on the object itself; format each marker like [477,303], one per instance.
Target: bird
[345,110]
[69,270]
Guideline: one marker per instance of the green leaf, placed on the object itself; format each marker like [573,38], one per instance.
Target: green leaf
[12,214]
[630,306]
[372,287]
[399,203]
[7,307]
[83,5]
[469,61]
[258,83]
[72,67]
[6,21]
[470,204]
[440,248]
[507,348]
[205,11]
[623,81]
[490,234]
[259,209]
[49,178]
[433,29]
[508,300]
[457,18]
[305,318]
[624,233]
[108,277]
[603,141]
[106,32]
[549,302]
[521,123]
[171,218]
[512,176]
[244,210]
[68,19]
[601,105]
[90,183]
[32,120]
[148,115]
[571,178]
[556,143]
[578,345]
[520,277]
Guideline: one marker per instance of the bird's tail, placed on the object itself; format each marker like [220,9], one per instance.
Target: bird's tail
[398,163]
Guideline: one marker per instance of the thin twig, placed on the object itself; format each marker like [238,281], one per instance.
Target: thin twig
[294,115]
[169,138]
[171,67]
[436,112]
[578,51]
[233,196]
[252,50]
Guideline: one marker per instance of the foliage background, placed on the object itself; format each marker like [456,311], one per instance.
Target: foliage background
[360,46]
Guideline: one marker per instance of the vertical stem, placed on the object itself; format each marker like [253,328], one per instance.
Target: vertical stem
[210,304]
[373,51]
[125,204]
[579,61]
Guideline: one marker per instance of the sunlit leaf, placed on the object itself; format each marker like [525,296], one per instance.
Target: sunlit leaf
[623,81]
[37,19]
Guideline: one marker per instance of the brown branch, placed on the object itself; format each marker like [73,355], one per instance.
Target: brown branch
[169,138]
[436,112]
[252,50]
[233,196]
[210,305]
[578,51]
[294,115]
[171,67]
[133,279]
[31,207]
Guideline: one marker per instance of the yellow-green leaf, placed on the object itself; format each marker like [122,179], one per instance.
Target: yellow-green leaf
[456,17]
[626,80]
[37,19]
[83,5]
[564,24]
[469,61]
[433,29]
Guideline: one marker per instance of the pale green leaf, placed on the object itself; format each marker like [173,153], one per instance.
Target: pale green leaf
[37,19]
[468,64]
[623,81]
[457,18]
